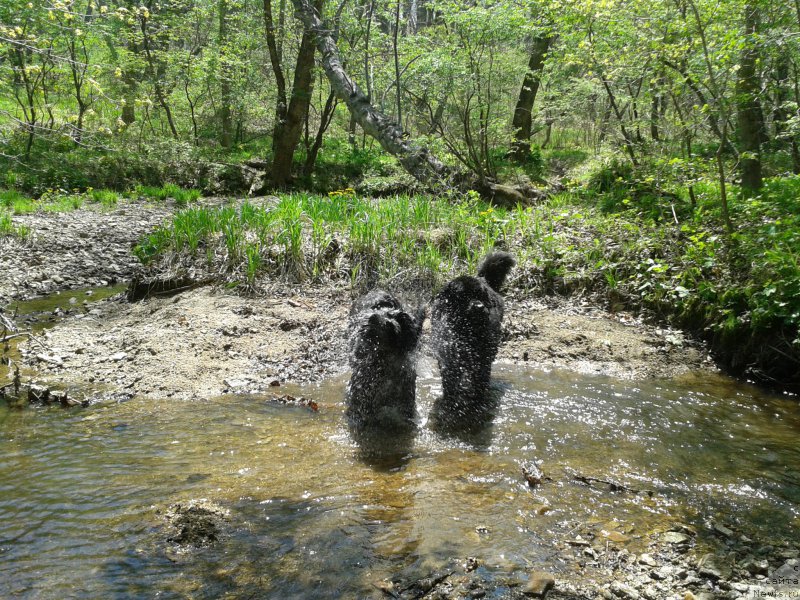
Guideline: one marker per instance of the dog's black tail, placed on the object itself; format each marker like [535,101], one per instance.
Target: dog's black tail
[495,268]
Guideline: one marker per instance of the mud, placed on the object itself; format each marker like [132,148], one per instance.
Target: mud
[207,342]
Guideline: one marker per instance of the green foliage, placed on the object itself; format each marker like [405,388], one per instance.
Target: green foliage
[741,291]
[8,198]
[307,237]
[7,227]
[339,165]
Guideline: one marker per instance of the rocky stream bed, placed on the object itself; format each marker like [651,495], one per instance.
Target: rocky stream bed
[207,341]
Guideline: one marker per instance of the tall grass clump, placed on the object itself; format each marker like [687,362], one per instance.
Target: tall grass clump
[8,229]
[182,196]
[107,198]
[312,238]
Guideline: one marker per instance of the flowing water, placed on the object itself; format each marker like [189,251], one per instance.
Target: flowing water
[312,514]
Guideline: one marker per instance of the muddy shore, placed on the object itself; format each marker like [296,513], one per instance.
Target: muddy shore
[216,342]
[209,341]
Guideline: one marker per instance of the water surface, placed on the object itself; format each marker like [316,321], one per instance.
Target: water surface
[313,514]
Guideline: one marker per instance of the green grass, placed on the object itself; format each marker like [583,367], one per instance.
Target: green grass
[107,198]
[305,237]
[181,195]
[16,202]
[740,291]
[7,227]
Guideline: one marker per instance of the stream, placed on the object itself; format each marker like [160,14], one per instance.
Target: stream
[313,514]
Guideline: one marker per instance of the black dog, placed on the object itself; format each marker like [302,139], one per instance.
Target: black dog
[383,339]
[466,319]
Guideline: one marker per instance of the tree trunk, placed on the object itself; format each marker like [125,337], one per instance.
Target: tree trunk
[226,96]
[397,65]
[417,160]
[324,121]
[288,135]
[277,69]
[749,113]
[153,71]
[522,122]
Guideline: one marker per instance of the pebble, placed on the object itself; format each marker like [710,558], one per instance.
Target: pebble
[646,559]
[71,250]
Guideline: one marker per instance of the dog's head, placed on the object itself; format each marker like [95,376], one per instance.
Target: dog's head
[379,327]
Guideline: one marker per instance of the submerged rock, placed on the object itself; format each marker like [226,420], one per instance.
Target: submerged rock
[539,584]
[196,524]
[675,537]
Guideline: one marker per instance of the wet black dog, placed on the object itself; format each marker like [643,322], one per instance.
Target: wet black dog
[383,340]
[466,318]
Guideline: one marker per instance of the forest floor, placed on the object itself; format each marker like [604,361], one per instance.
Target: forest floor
[208,341]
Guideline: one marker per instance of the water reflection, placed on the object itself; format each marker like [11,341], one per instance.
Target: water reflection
[316,511]
[383,450]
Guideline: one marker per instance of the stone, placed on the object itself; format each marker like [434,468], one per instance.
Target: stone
[621,590]
[788,573]
[539,584]
[755,566]
[711,567]
[722,530]
[615,536]
[646,559]
[62,398]
[118,356]
[674,537]
[38,393]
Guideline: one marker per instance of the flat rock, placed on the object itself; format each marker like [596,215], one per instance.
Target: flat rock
[712,567]
[539,584]
[674,537]
[646,559]
[620,590]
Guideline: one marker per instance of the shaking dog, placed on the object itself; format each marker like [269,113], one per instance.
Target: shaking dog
[383,340]
[466,319]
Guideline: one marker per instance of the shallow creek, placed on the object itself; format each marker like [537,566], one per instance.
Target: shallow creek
[313,514]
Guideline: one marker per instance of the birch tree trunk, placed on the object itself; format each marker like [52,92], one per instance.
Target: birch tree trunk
[415,159]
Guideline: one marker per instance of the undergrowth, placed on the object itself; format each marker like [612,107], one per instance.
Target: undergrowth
[181,196]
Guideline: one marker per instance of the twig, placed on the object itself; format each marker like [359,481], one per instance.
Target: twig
[612,485]
[7,323]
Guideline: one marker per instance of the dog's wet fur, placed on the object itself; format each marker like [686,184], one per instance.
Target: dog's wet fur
[466,319]
[383,340]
